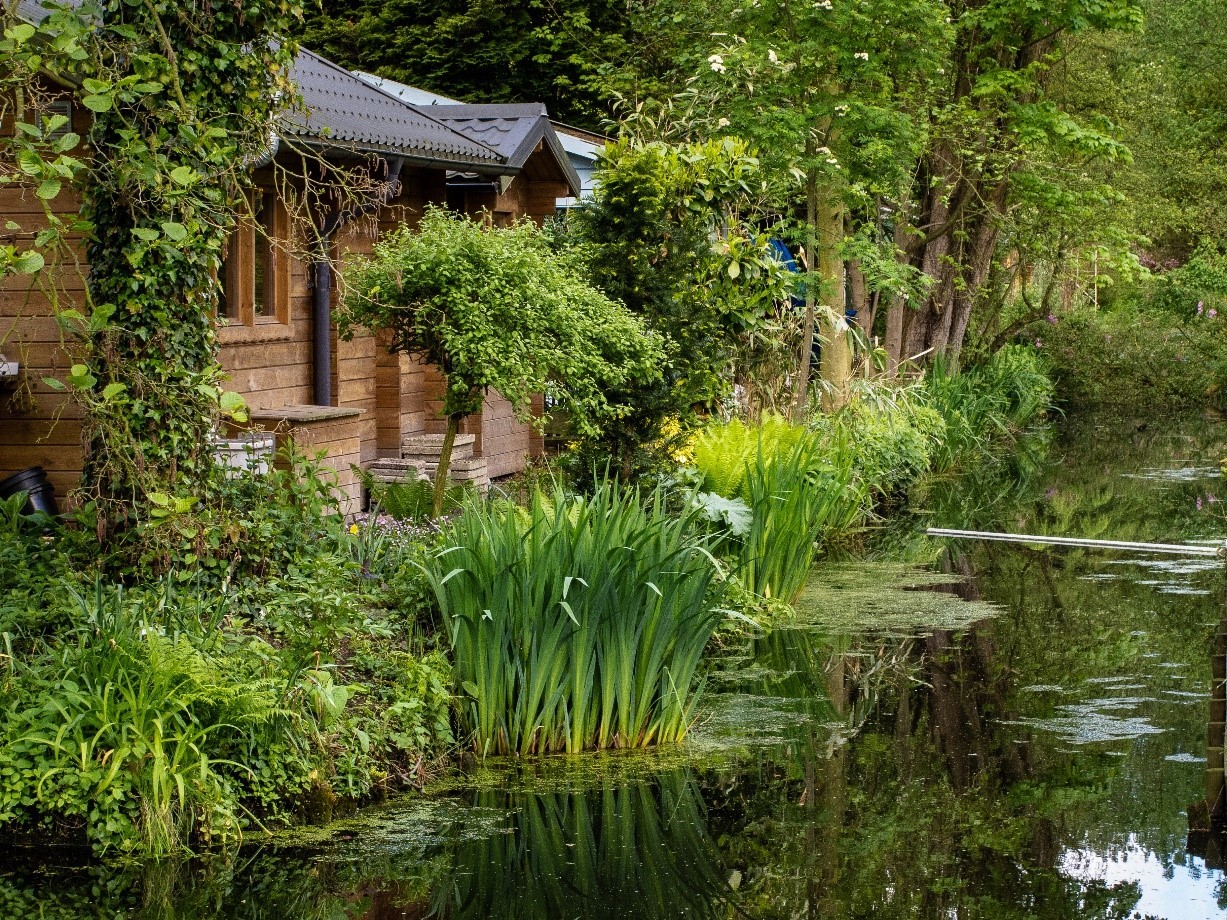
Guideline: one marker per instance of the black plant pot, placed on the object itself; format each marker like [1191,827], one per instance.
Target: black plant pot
[40,494]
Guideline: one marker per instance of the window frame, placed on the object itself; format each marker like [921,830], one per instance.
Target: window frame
[237,275]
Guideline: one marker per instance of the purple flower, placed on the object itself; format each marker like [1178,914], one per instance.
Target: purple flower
[1199,503]
[1201,305]
[1212,313]
[1039,343]
[1052,319]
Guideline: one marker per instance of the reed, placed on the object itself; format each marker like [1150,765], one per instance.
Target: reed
[797,498]
[576,623]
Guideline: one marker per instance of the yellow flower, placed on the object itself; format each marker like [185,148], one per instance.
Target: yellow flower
[353,528]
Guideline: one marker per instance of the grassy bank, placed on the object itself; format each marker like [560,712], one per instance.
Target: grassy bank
[327,664]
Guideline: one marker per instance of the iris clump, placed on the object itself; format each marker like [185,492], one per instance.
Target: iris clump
[576,623]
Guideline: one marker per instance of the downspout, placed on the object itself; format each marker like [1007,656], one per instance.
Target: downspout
[321,304]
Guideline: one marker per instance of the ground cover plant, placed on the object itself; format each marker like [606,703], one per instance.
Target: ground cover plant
[577,622]
[183,712]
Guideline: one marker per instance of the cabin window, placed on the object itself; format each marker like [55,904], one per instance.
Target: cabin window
[62,107]
[255,276]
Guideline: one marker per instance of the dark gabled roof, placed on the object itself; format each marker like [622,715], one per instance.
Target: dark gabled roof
[33,11]
[338,109]
[513,129]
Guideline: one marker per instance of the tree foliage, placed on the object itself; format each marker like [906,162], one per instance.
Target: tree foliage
[675,232]
[556,51]
[496,309]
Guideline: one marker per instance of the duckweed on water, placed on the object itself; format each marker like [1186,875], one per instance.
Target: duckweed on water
[883,598]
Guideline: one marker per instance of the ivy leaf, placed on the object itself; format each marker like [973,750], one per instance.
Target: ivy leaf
[174,230]
[233,406]
[181,175]
[80,377]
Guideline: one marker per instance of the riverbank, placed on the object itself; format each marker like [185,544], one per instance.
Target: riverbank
[1046,753]
[320,672]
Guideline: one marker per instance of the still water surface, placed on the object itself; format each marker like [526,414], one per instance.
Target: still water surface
[1019,742]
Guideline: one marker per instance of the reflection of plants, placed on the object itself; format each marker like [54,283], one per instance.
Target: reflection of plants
[625,851]
[576,623]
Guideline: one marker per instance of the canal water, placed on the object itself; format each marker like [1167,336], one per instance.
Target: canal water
[949,730]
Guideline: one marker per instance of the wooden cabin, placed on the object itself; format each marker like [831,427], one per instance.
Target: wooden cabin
[353,400]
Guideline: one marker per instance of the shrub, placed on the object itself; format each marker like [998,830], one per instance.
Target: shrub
[985,407]
[1132,360]
[138,734]
[576,623]
[893,441]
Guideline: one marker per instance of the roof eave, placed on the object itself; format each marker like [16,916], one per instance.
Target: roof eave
[429,160]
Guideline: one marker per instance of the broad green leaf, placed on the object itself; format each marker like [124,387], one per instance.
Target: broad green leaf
[97,103]
[29,262]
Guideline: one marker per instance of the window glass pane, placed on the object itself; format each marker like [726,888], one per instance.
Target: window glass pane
[229,295]
[265,286]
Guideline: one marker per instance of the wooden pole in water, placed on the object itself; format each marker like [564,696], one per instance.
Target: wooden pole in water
[1216,730]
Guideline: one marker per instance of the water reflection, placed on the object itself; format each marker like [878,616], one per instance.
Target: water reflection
[619,851]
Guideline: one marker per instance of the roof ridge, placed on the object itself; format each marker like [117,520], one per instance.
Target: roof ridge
[415,109]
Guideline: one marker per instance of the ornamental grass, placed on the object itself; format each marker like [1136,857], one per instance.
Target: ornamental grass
[576,623]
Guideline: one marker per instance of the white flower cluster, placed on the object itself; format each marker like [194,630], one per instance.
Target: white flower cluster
[717,63]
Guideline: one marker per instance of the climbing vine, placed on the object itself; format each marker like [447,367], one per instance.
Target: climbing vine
[183,98]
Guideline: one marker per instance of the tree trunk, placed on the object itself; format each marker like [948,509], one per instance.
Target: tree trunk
[445,462]
[800,396]
[858,293]
[833,326]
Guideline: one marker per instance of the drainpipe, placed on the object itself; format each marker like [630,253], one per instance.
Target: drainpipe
[321,304]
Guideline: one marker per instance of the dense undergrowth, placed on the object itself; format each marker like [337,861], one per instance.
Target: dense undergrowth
[305,664]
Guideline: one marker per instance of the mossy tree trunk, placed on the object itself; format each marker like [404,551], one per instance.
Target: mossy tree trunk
[445,461]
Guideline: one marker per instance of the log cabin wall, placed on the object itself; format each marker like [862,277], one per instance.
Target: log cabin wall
[39,426]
